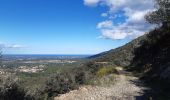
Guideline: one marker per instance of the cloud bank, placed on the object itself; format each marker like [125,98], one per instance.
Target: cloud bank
[133,12]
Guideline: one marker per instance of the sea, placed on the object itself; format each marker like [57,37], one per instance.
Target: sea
[43,56]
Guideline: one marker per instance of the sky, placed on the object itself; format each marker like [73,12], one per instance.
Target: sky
[70,26]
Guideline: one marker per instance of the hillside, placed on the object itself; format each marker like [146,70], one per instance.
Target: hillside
[121,56]
[152,59]
[148,55]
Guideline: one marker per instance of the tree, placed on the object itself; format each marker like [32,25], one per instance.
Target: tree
[0,57]
[161,15]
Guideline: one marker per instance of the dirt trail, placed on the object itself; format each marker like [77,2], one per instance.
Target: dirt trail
[127,87]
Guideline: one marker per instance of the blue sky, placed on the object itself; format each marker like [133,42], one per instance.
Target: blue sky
[58,27]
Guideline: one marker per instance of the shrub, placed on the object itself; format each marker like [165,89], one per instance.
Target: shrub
[105,71]
[59,84]
[91,67]
[69,79]
[11,90]
[80,78]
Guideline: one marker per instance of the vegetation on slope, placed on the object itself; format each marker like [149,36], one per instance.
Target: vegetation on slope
[148,56]
[152,59]
[10,90]
[121,56]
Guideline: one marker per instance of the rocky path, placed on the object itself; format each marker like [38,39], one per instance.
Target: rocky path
[127,87]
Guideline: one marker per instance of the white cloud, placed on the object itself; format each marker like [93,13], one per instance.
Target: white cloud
[91,2]
[15,46]
[134,12]
[105,24]
[104,14]
[114,34]
[9,46]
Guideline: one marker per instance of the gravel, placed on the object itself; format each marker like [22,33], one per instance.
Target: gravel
[127,87]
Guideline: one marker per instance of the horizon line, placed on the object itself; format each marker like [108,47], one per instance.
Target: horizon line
[47,54]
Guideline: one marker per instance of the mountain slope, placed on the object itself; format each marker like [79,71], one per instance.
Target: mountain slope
[148,55]
[152,59]
[153,56]
[121,56]
[150,52]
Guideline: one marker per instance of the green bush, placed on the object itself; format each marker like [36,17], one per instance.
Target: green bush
[105,71]
[69,79]
[59,84]
[11,90]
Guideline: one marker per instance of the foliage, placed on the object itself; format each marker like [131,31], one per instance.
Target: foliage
[10,90]
[105,71]
[152,61]
[59,84]
[161,15]
[0,56]
[69,79]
